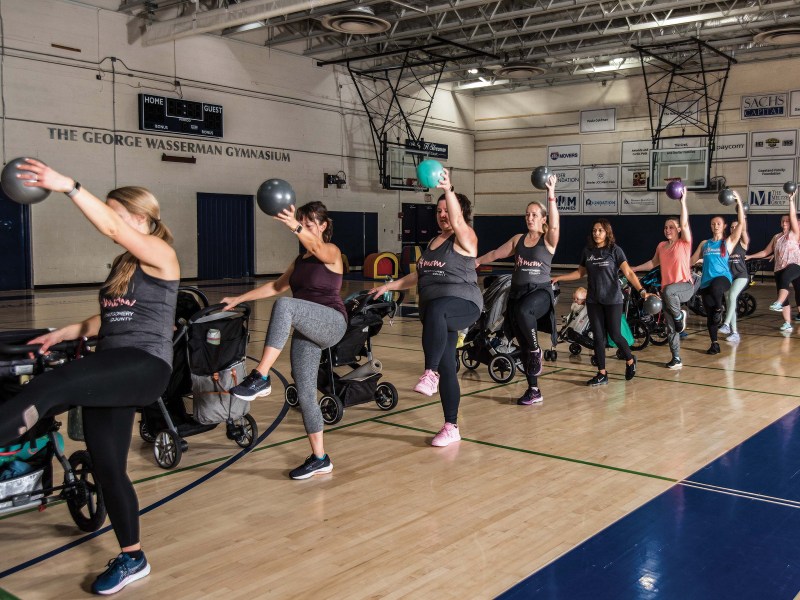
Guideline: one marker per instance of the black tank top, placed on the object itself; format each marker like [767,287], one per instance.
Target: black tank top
[736,262]
[531,265]
[311,280]
[444,272]
[143,318]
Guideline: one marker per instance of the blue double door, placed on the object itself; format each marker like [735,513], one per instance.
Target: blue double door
[15,245]
[225,236]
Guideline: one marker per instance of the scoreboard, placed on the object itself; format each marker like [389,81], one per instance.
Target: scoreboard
[175,115]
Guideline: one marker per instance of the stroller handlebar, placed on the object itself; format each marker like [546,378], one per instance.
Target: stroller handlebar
[209,310]
[25,349]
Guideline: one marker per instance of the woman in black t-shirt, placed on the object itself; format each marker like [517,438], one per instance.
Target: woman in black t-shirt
[601,262]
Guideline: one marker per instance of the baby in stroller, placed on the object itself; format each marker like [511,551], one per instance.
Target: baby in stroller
[360,384]
[575,327]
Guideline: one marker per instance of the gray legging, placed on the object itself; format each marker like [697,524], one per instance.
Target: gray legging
[739,284]
[673,295]
[315,327]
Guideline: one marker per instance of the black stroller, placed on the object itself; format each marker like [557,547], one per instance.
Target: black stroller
[209,352]
[360,385]
[31,456]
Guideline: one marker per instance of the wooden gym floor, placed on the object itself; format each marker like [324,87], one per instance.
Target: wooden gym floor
[678,484]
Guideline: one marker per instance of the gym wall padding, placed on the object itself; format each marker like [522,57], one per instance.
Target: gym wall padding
[381,265]
[637,235]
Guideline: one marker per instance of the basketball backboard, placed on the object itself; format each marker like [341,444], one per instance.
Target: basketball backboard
[401,167]
[691,165]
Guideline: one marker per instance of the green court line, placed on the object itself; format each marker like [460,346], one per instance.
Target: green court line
[542,454]
[4,595]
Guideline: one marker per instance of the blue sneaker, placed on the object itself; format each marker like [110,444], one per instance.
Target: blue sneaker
[253,386]
[121,571]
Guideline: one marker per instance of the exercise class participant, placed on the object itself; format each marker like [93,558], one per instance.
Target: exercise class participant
[531,297]
[132,362]
[449,300]
[600,263]
[676,277]
[787,263]
[741,279]
[316,312]
[716,280]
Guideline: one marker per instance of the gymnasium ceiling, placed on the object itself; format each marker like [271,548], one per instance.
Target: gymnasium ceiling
[512,44]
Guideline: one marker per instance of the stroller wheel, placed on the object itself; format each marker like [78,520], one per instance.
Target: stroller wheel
[502,368]
[249,431]
[468,360]
[145,433]
[458,363]
[553,355]
[386,396]
[332,409]
[575,348]
[745,305]
[167,449]
[290,394]
[641,335]
[83,495]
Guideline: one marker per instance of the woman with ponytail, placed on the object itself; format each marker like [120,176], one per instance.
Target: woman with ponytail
[132,362]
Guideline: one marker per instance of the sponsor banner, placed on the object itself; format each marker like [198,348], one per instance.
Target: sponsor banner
[764,105]
[600,178]
[568,204]
[794,104]
[634,176]
[773,143]
[678,143]
[568,179]
[560,156]
[635,152]
[770,172]
[432,149]
[594,121]
[639,202]
[768,198]
[600,203]
[731,146]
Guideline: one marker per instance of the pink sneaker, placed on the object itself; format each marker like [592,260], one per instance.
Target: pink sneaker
[447,435]
[428,384]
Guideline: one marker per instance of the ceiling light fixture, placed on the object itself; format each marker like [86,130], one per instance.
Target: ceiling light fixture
[781,36]
[472,71]
[359,21]
[482,82]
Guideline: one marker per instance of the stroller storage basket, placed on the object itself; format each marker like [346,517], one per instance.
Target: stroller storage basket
[212,402]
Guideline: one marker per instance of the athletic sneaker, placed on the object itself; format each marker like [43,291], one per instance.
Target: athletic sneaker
[680,321]
[733,338]
[675,363]
[535,362]
[120,572]
[776,306]
[683,334]
[312,466]
[713,349]
[428,384]
[786,326]
[797,317]
[253,386]
[630,370]
[447,435]
[724,329]
[599,379]
[531,396]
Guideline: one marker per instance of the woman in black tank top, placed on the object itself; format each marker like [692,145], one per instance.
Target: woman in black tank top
[315,312]
[449,300]
[131,366]
[531,303]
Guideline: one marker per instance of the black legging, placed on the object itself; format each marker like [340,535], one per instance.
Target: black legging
[713,297]
[527,312]
[605,320]
[110,385]
[442,319]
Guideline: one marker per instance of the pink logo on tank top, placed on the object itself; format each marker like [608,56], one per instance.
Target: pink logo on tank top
[521,262]
[422,263]
[115,302]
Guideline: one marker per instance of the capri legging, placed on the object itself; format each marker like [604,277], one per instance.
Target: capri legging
[442,318]
[605,320]
[110,385]
[712,295]
[527,312]
[788,278]
[315,327]
[731,296]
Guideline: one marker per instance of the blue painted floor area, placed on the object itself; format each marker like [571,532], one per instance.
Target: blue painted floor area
[697,544]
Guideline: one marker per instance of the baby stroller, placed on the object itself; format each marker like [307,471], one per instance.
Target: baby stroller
[745,301]
[360,385]
[26,466]
[577,331]
[209,352]
[485,342]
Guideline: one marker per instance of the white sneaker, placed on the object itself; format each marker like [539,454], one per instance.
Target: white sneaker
[786,327]
[724,329]
[733,338]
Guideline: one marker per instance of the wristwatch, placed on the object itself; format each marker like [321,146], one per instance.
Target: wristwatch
[297,229]
[452,188]
[642,292]
[75,189]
